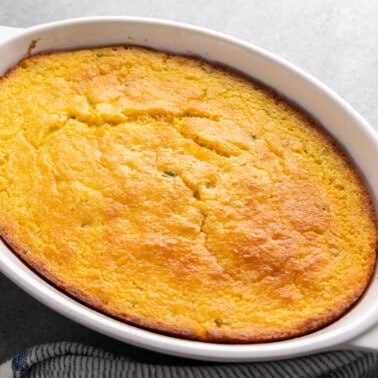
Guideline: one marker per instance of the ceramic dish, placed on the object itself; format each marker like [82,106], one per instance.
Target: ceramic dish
[358,328]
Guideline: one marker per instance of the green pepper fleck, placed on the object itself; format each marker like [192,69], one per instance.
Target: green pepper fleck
[220,322]
[27,249]
[86,223]
[169,174]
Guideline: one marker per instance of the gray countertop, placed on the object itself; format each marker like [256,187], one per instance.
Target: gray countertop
[336,41]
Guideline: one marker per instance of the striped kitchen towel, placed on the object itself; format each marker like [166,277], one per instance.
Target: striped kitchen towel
[66,359]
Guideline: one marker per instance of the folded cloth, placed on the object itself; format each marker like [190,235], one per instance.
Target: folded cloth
[65,359]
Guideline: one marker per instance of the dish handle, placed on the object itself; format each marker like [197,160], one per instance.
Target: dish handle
[8,32]
[368,341]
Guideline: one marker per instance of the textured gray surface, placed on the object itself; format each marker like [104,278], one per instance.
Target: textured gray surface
[336,41]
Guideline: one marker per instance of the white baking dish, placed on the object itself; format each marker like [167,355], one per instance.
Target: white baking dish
[358,329]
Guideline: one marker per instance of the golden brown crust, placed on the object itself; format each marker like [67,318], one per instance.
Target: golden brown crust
[83,297]
[212,335]
[214,211]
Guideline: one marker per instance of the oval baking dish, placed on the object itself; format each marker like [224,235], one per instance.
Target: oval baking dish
[357,328]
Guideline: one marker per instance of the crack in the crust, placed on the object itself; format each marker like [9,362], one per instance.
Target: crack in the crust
[277,154]
[202,225]
[210,146]
[146,116]
[197,195]
[172,118]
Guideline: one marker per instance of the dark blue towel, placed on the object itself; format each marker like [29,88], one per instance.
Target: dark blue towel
[66,359]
